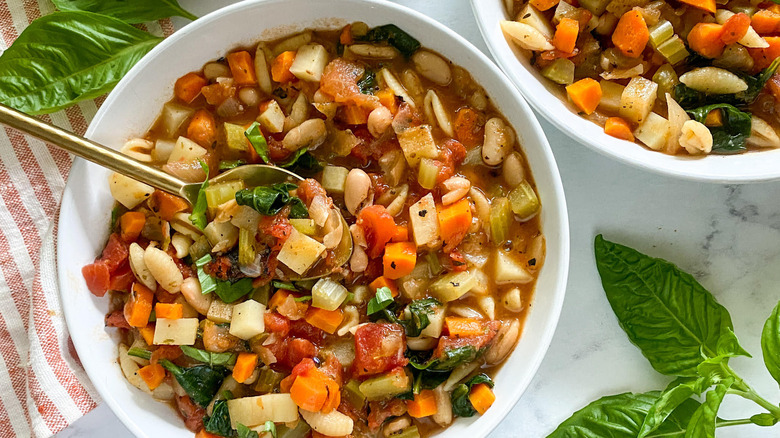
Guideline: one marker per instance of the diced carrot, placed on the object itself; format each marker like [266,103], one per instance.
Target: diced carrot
[309,392]
[481,397]
[468,128]
[705,39]
[346,36]
[544,5]
[203,434]
[326,320]
[188,87]
[280,67]
[354,114]
[566,35]
[243,68]
[168,310]
[383,281]
[774,7]
[334,395]
[619,128]
[423,405]
[464,327]
[401,234]
[399,259]
[707,5]
[586,94]
[765,21]
[387,98]
[152,374]
[631,34]
[98,277]
[139,305]
[454,223]
[378,226]
[167,205]
[131,224]
[764,57]
[202,128]
[245,366]
[147,333]
[735,28]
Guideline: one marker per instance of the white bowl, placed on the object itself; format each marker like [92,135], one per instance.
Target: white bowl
[136,101]
[549,99]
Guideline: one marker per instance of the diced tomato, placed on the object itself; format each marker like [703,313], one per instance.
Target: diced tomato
[447,343]
[98,277]
[378,226]
[121,279]
[457,260]
[379,347]
[339,79]
[304,330]
[192,413]
[115,253]
[276,323]
[117,319]
[308,189]
[299,349]
[276,150]
[274,230]
[453,153]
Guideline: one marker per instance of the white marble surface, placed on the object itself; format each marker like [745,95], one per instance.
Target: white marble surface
[727,236]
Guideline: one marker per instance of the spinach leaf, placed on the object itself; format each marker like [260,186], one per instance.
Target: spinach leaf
[733,134]
[756,83]
[270,200]
[200,382]
[703,420]
[620,416]
[207,282]
[230,164]
[424,379]
[135,11]
[367,83]
[770,343]
[303,163]
[198,215]
[209,357]
[461,405]
[664,311]
[219,421]
[66,57]
[419,311]
[245,432]
[394,36]
[382,299]
[450,359]
[229,292]
[256,138]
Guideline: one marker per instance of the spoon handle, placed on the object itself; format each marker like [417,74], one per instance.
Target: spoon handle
[91,151]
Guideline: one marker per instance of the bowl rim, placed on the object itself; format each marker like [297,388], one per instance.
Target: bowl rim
[560,276]
[582,130]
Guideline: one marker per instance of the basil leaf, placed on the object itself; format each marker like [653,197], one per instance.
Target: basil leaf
[256,138]
[245,432]
[135,11]
[209,357]
[367,82]
[229,292]
[394,36]
[666,404]
[66,57]
[207,282]
[219,421]
[382,299]
[620,416]
[703,420]
[664,311]
[200,382]
[770,343]
[732,136]
[198,216]
[461,405]
[270,200]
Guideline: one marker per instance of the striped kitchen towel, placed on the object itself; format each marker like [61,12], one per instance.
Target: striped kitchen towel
[43,387]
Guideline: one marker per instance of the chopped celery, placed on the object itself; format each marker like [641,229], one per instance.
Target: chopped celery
[660,33]
[262,294]
[673,50]
[353,394]
[234,135]
[560,71]
[597,7]
[525,203]
[218,194]
[334,179]
[246,247]
[301,430]
[328,294]
[199,248]
[385,386]
[666,78]
[610,96]
[268,380]
[501,219]
[427,173]
[434,265]
[453,285]
[409,432]
[305,226]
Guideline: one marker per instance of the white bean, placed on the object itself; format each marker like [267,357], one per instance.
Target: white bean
[163,269]
[249,96]
[138,149]
[357,191]
[139,268]
[373,51]
[498,142]
[481,206]
[214,70]
[432,67]
[358,262]
[190,288]
[334,423]
[513,171]
[379,120]
[310,133]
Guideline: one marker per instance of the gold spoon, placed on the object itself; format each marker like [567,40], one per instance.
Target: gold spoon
[253,175]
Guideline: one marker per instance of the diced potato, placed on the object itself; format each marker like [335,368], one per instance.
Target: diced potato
[162,149]
[220,312]
[653,132]
[186,150]
[309,62]
[334,179]
[300,252]
[424,221]
[182,331]
[418,143]
[172,117]
[452,286]
[611,93]
[532,17]
[251,411]
[235,138]
[128,191]
[436,322]
[508,270]
[272,118]
[247,320]
[637,99]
